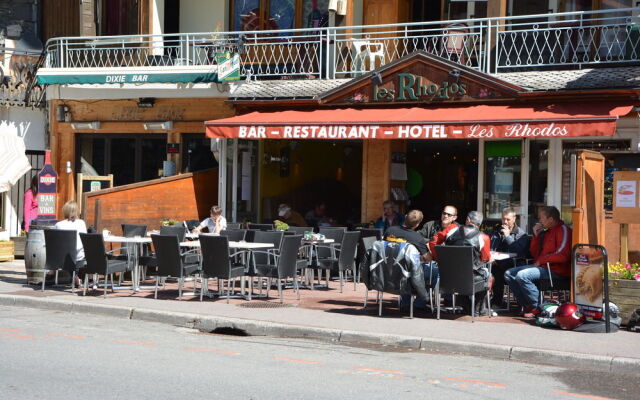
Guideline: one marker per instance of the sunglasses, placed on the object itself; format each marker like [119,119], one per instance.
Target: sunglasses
[446,214]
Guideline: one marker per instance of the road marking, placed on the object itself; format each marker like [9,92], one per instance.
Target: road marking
[475,381]
[210,350]
[14,336]
[66,336]
[389,371]
[296,360]
[132,342]
[11,330]
[584,396]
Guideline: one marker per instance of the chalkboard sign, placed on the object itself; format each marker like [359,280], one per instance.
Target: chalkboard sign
[89,183]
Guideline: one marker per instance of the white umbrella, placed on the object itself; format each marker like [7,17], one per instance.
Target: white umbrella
[13,161]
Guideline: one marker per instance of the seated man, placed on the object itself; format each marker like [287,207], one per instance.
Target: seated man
[317,217]
[469,235]
[506,237]
[408,232]
[389,216]
[448,217]
[551,244]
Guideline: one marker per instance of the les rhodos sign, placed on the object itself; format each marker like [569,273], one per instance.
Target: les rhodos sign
[411,87]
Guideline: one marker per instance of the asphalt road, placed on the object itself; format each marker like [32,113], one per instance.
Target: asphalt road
[54,355]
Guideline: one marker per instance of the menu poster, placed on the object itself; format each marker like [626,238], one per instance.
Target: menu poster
[588,266]
[626,194]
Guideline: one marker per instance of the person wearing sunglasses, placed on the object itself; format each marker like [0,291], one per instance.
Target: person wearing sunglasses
[447,217]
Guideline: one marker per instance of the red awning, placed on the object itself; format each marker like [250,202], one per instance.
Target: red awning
[479,121]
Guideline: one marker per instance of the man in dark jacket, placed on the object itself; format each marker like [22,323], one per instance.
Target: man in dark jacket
[448,217]
[551,244]
[469,235]
[506,237]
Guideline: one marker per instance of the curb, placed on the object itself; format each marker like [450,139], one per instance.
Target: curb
[209,323]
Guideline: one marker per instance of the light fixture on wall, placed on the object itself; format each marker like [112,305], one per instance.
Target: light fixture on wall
[165,125]
[85,125]
[146,102]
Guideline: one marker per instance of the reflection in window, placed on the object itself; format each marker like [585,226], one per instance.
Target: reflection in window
[502,177]
[250,15]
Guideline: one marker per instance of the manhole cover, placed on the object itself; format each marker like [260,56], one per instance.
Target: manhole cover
[263,304]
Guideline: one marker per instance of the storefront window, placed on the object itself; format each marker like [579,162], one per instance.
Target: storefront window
[129,158]
[616,154]
[502,177]
[197,154]
[538,169]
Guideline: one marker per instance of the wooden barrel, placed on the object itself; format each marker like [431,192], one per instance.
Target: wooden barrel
[34,256]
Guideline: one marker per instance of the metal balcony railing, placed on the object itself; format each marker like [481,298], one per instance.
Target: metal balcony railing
[530,42]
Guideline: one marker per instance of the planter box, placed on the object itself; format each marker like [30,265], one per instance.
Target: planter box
[626,295]
[19,242]
[6,251]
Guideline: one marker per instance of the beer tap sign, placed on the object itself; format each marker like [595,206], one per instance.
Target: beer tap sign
[47,193]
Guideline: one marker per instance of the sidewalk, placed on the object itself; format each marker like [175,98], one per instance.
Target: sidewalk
[329,314]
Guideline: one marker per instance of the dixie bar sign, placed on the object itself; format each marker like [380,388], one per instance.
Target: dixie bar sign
[412,131]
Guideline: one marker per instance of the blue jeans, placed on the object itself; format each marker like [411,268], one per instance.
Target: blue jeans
[522,281]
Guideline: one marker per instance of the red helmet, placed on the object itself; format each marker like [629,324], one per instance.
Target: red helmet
[568,316]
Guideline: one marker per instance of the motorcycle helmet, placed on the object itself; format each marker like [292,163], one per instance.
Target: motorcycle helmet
[634,321]
[614,314]
[546,318]
[568,316]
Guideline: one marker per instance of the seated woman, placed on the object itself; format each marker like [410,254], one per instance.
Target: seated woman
[72,222]
[215,223]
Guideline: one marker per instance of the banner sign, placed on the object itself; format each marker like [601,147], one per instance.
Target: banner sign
[413,131]
[588,273]
[164,77]
[47,193]
[228,66]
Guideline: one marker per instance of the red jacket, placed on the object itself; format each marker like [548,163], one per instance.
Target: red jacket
[554,249]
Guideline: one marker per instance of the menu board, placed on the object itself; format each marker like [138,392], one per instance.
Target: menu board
[626,197]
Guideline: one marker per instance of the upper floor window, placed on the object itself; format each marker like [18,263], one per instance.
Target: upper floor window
[117,17]
[258,15]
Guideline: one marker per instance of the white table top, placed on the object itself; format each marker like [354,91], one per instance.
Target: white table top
[233,245]
[502,256]
[318,241]
[122,239]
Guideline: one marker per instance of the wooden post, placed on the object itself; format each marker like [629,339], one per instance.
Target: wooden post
[624,243]
[98,215]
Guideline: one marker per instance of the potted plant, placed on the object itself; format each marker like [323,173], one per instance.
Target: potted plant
[6,250]
[169,222]
[280,226]
[624,287]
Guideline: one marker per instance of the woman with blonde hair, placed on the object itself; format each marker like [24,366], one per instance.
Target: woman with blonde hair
[72,222]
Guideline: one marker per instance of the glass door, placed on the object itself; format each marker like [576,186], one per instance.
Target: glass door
[503,166]
[241,173]
[538,178]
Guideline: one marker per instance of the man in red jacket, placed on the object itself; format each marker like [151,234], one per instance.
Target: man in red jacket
[551,244]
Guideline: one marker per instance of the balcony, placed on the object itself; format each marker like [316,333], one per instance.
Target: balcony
[523,43]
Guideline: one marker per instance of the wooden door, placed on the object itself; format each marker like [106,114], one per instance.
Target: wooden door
[59,18]
[378,12]
[588,214]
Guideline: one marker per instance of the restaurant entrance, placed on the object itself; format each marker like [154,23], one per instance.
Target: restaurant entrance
[442,172]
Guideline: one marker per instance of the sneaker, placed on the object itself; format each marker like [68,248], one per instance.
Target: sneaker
[531,312]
